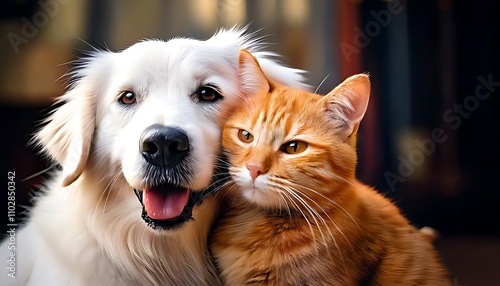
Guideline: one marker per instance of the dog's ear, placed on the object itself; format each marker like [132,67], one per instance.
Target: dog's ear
[67,136]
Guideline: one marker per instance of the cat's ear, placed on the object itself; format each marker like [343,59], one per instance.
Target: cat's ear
[252,78]
[347,103]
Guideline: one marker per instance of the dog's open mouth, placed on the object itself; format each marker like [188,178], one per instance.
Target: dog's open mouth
[167,206]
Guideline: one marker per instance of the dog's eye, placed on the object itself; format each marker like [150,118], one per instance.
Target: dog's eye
[208,93]
[127,98]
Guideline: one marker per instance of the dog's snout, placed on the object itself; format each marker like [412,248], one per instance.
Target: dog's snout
[163,146]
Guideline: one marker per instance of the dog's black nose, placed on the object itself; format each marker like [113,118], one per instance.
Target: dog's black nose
[163,146]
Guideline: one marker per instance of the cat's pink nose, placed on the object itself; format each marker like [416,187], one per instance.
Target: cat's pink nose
[256,170]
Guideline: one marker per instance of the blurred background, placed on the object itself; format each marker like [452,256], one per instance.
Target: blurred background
[429,138]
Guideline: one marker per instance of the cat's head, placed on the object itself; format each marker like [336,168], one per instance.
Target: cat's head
[289,145]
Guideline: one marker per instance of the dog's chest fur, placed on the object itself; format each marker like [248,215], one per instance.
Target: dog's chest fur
[112,245]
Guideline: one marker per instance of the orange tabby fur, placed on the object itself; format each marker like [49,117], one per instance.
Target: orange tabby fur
[307,220]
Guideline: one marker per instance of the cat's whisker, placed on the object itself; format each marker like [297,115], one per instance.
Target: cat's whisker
[321,83]
[328,228]
[284,182]
[223,176]
[342,179]
[285,203]
[338,205]
[223,183]
[326,214]
[320,216]
[289,211]
[315,215]
[330,219]
[287,195]
[321,195]
[228,190]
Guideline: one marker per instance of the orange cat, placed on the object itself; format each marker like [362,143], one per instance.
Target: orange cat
[296,214]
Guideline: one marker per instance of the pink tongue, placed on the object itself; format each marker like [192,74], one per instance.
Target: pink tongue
[163,203]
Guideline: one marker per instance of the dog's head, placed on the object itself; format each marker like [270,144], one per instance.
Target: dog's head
[152,115]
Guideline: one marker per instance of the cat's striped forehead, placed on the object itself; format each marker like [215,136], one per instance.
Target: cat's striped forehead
[282,114]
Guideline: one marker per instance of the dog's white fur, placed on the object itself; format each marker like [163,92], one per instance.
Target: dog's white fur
[86,229]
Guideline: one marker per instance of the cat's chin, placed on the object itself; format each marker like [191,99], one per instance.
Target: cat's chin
[258,192]
[264,198]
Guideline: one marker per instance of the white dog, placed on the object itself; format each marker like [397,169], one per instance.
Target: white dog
[143,122]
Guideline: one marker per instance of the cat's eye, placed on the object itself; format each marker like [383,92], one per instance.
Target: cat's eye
[127,97]
[207,93]
[294,147]
[245,136]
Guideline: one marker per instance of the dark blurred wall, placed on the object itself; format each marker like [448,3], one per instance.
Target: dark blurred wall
[454,57]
